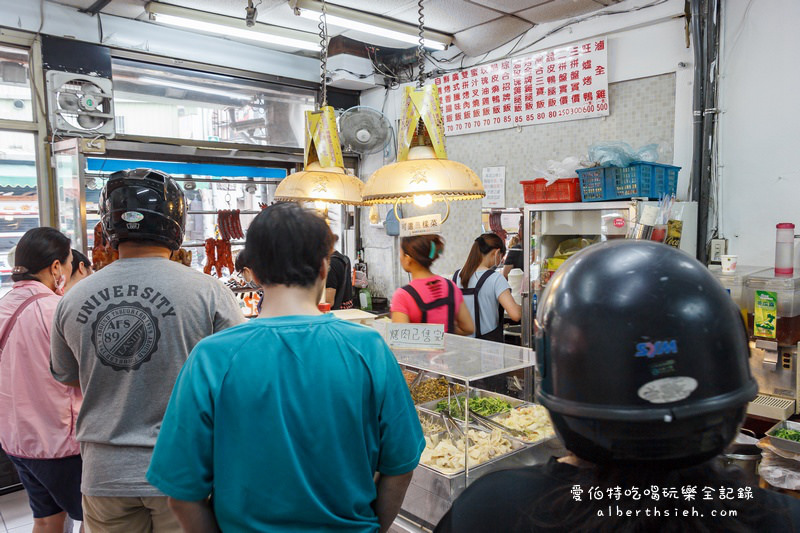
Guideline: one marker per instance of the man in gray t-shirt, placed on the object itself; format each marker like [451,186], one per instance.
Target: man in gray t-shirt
[123,335]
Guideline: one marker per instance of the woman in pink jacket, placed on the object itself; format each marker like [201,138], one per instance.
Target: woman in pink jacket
[37,413]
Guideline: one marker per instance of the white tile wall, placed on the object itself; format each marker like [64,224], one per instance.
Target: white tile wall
[642,112]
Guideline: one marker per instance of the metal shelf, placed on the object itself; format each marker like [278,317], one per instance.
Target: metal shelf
[241,212]
[201,244]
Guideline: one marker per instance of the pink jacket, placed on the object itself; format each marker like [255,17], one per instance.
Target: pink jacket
[37,413]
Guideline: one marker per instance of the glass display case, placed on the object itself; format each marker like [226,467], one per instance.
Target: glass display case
[492,376]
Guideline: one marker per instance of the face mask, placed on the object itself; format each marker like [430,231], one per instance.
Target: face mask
[60,282]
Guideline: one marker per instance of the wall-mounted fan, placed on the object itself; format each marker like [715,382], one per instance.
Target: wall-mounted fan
[80,105]
[364,130]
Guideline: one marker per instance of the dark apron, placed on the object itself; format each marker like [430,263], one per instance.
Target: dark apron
[496,334]
[449,301]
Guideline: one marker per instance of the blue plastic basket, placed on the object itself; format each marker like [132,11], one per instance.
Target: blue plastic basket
[638,180]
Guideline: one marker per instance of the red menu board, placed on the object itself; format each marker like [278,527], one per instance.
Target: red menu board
[553,85]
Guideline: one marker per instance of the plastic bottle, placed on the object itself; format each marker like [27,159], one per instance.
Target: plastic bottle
[784,249]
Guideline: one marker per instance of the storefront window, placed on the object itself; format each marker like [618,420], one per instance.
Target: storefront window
[15,87]
[161,101]
[19,203]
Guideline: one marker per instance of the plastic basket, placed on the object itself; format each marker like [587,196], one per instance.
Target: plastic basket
[639,180]
[562,190]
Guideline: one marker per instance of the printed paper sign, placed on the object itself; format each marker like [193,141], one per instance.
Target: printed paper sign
[421,225]
[494,183]
[425,336]
[550,86]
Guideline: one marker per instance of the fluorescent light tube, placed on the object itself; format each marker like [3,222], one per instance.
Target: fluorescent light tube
[190,87]
[372,29]
[232,31]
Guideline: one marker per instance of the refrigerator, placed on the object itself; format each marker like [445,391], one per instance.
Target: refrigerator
[553,230]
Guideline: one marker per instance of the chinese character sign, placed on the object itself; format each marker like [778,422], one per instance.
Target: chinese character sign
[419,336]
[494,183]
[553,85]
[421,225]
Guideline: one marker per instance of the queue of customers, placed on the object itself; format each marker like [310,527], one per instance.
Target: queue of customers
[108,419]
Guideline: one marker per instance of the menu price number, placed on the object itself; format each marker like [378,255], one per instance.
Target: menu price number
[418,336]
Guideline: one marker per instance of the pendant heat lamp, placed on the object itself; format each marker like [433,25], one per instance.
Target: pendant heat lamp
[323,179]
[422,173]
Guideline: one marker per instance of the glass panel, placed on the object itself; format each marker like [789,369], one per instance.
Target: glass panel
[465,358]
[19,202]
[163,101]
[15,87]
[205,195]
[69,195]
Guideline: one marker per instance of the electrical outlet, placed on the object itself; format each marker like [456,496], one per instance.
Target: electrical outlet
[718,248]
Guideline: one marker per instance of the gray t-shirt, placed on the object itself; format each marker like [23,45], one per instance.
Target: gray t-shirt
[487,299]
[125,333]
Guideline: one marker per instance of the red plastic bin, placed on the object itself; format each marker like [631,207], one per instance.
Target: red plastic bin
[562,190]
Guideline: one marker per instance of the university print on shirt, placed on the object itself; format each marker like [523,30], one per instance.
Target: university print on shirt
[125,333]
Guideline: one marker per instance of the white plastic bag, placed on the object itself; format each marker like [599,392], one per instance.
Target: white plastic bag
[778,467]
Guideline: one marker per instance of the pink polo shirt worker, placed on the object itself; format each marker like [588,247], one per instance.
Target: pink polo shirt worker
[37,413]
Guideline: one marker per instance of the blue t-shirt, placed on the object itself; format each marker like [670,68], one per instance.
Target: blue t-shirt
[287,420]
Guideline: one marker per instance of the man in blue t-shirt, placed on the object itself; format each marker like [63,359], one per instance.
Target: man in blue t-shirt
[286,420]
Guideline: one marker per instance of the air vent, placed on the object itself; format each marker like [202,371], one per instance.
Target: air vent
[771,407]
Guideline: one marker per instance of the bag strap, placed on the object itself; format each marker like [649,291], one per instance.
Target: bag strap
[449,301]
[451,307]
[12,321]
[418,299]
[476,305]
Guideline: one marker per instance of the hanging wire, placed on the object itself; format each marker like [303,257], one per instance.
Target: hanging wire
[323,56]
[421,48]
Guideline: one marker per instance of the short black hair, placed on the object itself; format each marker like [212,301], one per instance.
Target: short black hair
[241,261]
[37,250]
[286,245]
[77,259]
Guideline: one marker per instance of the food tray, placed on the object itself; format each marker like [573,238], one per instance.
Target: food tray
[431,417]
[515,445]
[784,444]
[499,419]
[427,377]
[476,393]
[431,493]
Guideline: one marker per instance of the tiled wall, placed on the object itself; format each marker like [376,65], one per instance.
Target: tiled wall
[642,112]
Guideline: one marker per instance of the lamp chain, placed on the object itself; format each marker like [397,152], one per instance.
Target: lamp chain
[420,48]
[323,56]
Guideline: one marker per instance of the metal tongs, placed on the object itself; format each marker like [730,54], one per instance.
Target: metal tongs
[447,417]
[495,425]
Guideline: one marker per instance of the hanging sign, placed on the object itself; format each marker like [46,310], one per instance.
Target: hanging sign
[420,336]
[421,225]
[322,134]
[494,183]
[421,104]
[555,85]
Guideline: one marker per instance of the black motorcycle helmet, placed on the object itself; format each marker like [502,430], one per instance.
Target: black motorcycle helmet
[143,205]
[643,356]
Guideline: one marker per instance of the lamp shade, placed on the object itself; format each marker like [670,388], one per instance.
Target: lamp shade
[320,184]
[422,170]
[422,174]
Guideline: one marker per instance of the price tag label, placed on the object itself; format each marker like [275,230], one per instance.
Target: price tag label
[422,336]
